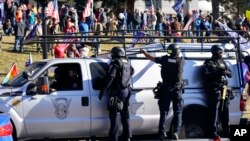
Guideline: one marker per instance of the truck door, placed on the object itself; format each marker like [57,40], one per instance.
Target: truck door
[65,111]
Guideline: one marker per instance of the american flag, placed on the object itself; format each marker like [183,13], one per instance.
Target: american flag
[87,9]
[151,8]
[52,10]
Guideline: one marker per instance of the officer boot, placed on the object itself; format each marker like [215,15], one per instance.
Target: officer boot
[162,136]
[175,136]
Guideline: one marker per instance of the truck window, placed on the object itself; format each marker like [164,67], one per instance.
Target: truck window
[65,77]
[98,71]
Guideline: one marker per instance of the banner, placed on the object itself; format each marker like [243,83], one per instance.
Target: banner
[177,6]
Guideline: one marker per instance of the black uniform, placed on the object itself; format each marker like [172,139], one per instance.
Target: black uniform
[216,71]
[117,81]
[171,73]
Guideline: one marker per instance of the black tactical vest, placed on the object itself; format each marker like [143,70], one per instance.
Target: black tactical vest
[123,74]
[171,71]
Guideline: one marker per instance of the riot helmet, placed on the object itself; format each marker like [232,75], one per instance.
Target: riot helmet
[173,50]
[117,52]
[217,50]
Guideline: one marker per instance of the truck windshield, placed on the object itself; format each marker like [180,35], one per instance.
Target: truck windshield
[20,80]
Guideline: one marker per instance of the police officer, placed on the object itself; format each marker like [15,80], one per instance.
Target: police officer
[216,70]
[117,81]
[171,73]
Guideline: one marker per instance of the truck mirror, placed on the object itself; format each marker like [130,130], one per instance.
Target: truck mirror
[31,89]
[43,85]
[25,75]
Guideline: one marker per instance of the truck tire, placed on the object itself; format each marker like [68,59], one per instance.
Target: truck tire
[195,119]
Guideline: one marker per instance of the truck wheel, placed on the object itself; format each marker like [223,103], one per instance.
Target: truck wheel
[194,123]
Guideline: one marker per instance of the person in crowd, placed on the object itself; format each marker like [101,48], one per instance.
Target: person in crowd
[113,24]
[152,22]
[84,52]
[8,29]
[19,35]
[72,51]
[39,32]
[136,20]
[171,91]
[118,85]
[84,29]
[54,27]
[31,19]
[216,71]
[59,51]
[175,26]
[69,28]
[96,40]
[208,26]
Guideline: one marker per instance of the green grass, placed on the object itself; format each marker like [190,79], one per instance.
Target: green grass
[8,57]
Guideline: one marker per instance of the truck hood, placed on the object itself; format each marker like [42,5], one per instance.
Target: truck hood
[7,91]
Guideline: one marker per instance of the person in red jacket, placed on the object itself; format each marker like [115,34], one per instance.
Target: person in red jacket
[59,51]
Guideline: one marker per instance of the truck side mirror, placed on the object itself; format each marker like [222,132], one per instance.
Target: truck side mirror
[25,75]
[31,89]
[43,85]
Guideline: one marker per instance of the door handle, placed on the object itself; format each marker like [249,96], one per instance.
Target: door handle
[85,101]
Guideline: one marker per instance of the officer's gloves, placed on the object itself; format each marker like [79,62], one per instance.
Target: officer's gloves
[142,50]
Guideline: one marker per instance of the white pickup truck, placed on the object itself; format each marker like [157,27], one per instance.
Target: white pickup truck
[37,113]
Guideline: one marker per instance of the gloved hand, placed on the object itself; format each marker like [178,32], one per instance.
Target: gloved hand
[142,50]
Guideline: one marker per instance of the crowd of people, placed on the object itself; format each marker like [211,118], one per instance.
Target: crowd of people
[110,22]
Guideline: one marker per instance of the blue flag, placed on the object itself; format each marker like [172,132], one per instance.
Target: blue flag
[32,35]
[177,6]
